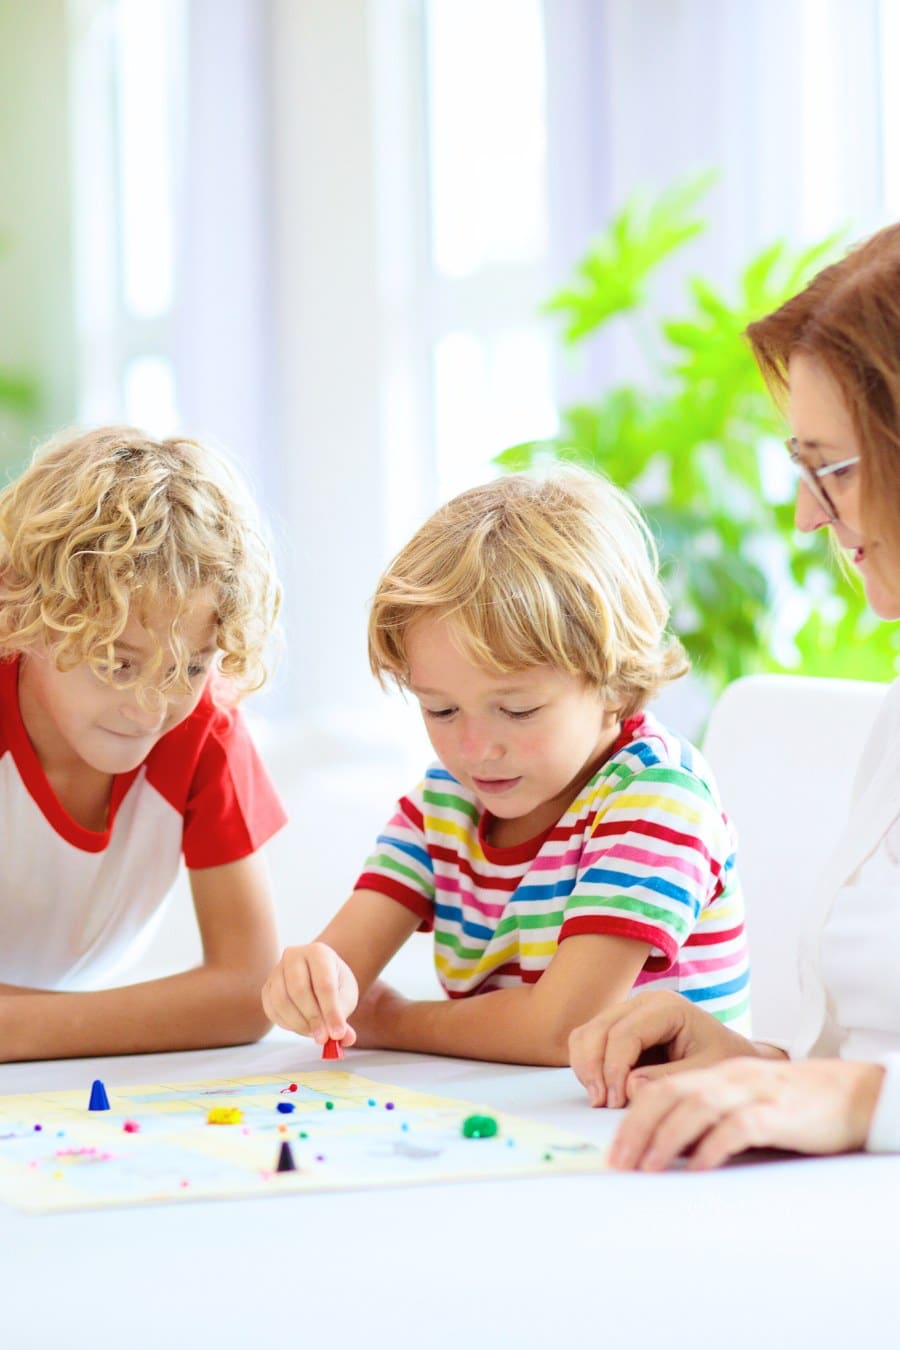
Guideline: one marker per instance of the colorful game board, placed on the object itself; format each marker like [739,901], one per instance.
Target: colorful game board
[155,1143]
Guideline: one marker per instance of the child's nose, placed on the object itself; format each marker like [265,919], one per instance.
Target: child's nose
[147,715]
[477,741]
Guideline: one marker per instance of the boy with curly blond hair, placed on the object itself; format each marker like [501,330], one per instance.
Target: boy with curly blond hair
[137,598]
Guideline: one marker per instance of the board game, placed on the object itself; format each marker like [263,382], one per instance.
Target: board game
[226,1138]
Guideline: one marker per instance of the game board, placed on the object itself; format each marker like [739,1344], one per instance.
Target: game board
[154,1143]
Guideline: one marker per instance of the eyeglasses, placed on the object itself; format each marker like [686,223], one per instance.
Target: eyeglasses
[813,478]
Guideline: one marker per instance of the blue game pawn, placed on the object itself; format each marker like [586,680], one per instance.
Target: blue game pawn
[99,1100]
[285,1158]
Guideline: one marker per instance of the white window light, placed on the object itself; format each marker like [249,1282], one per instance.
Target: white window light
[492,361]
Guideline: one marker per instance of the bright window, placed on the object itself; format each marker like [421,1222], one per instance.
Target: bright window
[127,81]
[487,169]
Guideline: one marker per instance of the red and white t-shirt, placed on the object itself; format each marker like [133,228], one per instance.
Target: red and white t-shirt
[73,900]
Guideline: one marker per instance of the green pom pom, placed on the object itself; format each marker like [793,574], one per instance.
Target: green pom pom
[479,1127]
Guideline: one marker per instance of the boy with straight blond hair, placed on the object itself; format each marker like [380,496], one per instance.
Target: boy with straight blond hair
[565,848]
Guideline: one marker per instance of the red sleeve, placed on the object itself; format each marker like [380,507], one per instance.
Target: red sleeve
[209,769]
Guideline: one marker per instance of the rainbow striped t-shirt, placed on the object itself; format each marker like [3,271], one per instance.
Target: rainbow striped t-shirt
[644,851]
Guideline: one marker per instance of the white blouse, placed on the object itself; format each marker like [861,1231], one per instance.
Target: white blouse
[850,961]
[860,954]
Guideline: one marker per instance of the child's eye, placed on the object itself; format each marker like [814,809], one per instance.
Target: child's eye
[520,714]
[194,672]
[439,714]
[117,672]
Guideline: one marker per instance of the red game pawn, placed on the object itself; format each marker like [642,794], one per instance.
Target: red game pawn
[332,1050]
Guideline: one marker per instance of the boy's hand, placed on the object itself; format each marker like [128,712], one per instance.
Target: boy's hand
[649,1036]
[815,1106]
[312,991]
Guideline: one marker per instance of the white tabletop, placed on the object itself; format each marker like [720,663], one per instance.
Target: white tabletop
[791,1252]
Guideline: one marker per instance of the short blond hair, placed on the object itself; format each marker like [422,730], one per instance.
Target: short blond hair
[111,519]
[558,570]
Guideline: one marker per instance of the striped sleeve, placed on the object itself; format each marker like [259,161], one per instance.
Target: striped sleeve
[655,857]
[400,865]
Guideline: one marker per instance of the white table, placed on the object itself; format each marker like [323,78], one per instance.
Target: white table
[783,1253]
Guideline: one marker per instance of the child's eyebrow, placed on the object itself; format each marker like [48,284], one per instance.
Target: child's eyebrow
[498,693]
[131,650]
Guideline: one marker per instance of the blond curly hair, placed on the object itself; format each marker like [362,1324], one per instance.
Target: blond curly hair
[112,521]
[559,571]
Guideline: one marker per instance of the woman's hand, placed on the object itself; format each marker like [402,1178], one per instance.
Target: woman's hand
[312,991]
[609,1054]
[813,1106]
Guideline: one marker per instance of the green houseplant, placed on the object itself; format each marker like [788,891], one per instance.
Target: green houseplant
[698,444]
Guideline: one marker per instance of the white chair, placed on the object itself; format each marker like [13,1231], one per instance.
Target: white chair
[784,750]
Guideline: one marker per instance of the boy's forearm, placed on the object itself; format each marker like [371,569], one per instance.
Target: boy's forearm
[525,1024]
[366,932]
[196,1009]
[508,1025]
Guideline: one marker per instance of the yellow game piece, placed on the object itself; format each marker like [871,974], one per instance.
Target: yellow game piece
[225,1115]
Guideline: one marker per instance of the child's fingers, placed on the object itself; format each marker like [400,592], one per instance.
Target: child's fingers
[307,978]
[311,991]
[277,1003]
[293,994]
[289,997]
[335,991]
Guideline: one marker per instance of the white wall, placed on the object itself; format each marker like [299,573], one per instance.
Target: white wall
[335,331]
